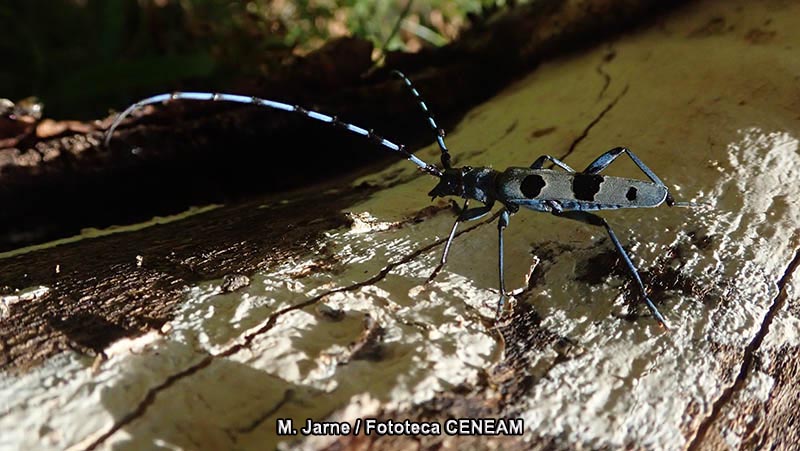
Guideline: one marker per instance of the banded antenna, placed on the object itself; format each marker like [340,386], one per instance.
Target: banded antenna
[216,97]
[436,129]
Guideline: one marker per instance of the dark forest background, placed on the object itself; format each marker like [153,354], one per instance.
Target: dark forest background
[81,57]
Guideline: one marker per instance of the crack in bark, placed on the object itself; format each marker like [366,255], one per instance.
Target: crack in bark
[149,398]
[606,81]
[505,134]
[287,396]
[749,356]
[607,58]
[152,393]
[591,125]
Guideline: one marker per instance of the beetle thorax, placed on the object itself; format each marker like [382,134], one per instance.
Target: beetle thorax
[466,182]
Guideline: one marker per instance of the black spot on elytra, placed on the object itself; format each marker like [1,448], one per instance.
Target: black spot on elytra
[532,185]
[585,186]
[631,195]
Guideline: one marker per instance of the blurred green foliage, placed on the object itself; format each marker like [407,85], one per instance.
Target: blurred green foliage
[82,57]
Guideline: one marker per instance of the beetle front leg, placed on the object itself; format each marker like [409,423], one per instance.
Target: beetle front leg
[448,243]
[465,215]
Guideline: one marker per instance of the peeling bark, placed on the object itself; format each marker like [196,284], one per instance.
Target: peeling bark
[98,296]
[783,429]
[340,320]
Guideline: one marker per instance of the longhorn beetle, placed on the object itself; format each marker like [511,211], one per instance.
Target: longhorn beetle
[568,194]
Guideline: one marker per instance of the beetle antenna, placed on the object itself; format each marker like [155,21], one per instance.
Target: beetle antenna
[216,97]
[436,129]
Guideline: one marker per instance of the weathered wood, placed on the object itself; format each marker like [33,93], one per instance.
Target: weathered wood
[126,283]
[343,326]
[55,185]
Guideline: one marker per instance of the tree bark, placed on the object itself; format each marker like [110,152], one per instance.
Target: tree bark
[57,178]
[137,338]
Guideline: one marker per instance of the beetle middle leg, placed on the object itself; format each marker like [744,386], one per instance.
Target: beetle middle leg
[540,161]
[592,219]
[502,223]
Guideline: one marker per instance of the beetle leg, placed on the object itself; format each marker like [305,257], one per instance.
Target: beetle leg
[592,219]
[540,161]
[502,223]
[465,215]
[607,158]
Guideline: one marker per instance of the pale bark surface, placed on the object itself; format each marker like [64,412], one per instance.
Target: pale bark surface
[58,178]
[337,322]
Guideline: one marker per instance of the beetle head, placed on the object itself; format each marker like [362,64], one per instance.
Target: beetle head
[451,183]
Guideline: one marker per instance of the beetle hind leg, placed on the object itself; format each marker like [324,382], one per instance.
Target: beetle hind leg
[592,219]
[604,160]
